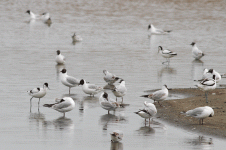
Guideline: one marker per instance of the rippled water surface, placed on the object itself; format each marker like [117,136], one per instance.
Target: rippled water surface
[115,38]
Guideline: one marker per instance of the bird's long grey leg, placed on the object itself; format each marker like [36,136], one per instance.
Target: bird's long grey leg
[145,122]
[69,90]
[122,99]
[149,122]
[38,102]
[206,94]
[116,99]
[30,102]
[108,111]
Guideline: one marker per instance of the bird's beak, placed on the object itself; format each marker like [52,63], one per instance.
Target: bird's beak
[169,88]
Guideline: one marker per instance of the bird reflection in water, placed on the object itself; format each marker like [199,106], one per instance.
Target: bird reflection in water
[197,69]
[91,102]
[116,146]
[146,130]
[202,142]
[37,118]
[60,123]
[110,118]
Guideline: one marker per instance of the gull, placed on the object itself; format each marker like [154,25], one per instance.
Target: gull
[159,95]
[108,103]
[201,113]
[116,136]
[109,77]
[32,15]
[166,54]
[154,30]
[38,92]
[207,85]
[76,38]
[209,74]
[90,89]
[60,59]
[68,80]
[120,90]
[64,105]
[46,18]
[148,112]
[196,53]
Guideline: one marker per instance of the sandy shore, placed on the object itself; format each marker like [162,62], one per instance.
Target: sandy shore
[215,125]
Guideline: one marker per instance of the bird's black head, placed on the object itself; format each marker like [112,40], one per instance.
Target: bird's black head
[116,78]
[44,13]
[28,11]
[82,82]
[63,71]
[121,81]
[165,86]
[210,71]
[62,100]
[149,26]
[214,77]
[193,43]
[58,52]
[46,84]
[105,95]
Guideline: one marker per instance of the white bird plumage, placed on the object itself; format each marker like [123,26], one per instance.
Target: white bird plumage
[108,103]
[166,54]
[76,38]
[67,80]
[159,95]
[90,89]
[120,90]
[38,92]
[33,15]
[60,59]
[116,136]
[201,113]
[208,73]
[148,112]
[157,31]
[196,53]
[64,105]
[207,85]
[109,77]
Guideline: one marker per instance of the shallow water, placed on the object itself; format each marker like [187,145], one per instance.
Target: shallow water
[115,38]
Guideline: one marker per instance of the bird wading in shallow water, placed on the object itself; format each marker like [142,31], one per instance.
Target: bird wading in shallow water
[157,31]
[109,77]
[166,54]
[116,136]
[120,90]
[60,59]
[196,53]
[64,105]
[90,89]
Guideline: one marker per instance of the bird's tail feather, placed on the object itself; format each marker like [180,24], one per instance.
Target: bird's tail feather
[144,96]
[48,105]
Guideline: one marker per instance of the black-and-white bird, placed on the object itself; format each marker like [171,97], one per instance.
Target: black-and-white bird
[196,53]
[157,31]
[116,136]
[207,85]
[159,95]
[38,92]
[208,73]
[63,105]
[166,54]
[33,15]
[67,80]
[200,113]
[60,59]
[148,112]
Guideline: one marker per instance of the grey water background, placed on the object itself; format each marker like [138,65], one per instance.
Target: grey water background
[115,38]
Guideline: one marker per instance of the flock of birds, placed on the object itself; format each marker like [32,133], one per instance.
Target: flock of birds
[63,105]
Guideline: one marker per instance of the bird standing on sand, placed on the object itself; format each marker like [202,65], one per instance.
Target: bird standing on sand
[64,105]
[201,113]
[196,53]
[148,112]
[207,85]
[68,80]
[159,95]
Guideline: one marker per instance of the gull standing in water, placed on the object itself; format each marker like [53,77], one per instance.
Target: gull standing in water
[76,38]
[108,103]
[116,136]
[201,113]
[120,90]
[209,74]
[196,53]
[207,85]
[154,30]
[60,59]
[166,54]
[90,89]
[38,92]
[148,112]
[68,80]
[64,105]
[109,77]
[159,95]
